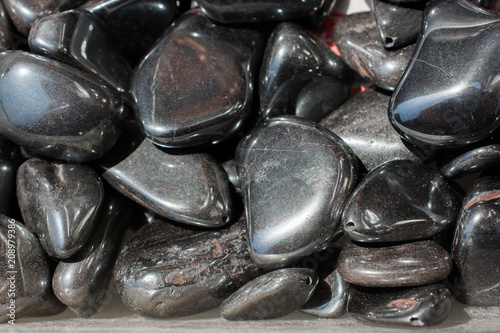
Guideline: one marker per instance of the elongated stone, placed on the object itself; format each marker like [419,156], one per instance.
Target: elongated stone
[359,45]
[448,95]
[271,295]
[401,265]
[290,214]
[168,271]
[476,245]
[475,160]
[59,202]
[196,85]
[417,203]
[418,306]
[78,38]
[363,124]
[185,187]
[5,30]
[300,75]
[55,110]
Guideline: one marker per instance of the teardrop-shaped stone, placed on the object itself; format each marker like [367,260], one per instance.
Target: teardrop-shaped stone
[357,40]
[417,202]
[363,124]
[300,75]
[196,85]
[475,160]
[449,93]
[59,202]
[476,246]
[24,275]
[419,306]
[169,271]
[190,188]
[401,265]
[5,29]
[79,39]
[81,281]
[398,25]
[55,110]
[296,177]
[272,295]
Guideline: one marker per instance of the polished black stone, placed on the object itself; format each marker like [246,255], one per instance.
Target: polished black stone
[55,110]
[134,25]
[300,75]
[401,265]
[10,160]
[24,13]
[168,271]
[24,272]
[81,281]
[418,306]
[359,45]
[272,295]
[189,188]
[5,30]
[59,202]
[196,85]
[397,25]
[416,202]
[449,93]
[476,246]
[476,160]
[241,11]
[78,38]
[232,173]
[295,177]
[363,124]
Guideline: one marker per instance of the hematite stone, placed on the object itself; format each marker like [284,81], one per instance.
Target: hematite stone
[363,124]
[300,75]
[168,271]
[419,306]
[449,93]
[55,110]
[357,40]
[295,177]
[5,30]
[476,246]
[398,25]
[476,160]
[81,281]
[24,273]
[271,295]
[417,202]
[59,202]
[189,188]
[79,39]
[196,85]
[401,265]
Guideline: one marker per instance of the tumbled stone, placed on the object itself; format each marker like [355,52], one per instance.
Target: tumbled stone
[448,95]
[169,271]
[416,203]
[418,306]
[5,30]
[55,110]
[359,45]
[401,265]
[59,202]
[195,86]
[295,177]
[475,160]
[271,295]
[9,162]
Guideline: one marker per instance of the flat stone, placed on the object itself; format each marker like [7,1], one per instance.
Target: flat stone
[359,45]
[55,110]
[272,295]
[418,306]
[60,203]
[291,214]
[417,202]
[475,160]
[195,86]
[448,95]
[168,271]
[363,124]
[401,265]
